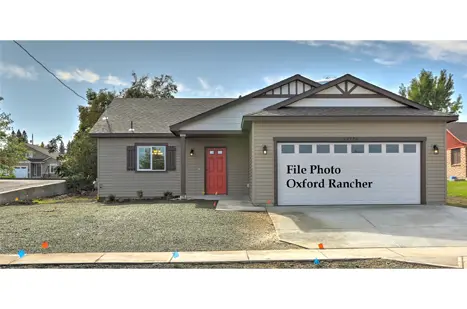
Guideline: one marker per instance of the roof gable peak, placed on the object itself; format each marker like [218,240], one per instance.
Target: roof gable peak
[357,82]
[296,80]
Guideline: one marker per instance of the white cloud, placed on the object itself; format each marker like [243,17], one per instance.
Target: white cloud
[325,79]
[78,75]
[386,62]
[204,84]
[384,53]
[115,81]
[269,80]
[346,45]
[206,89]
[454,51]
[182,88]
[16,71]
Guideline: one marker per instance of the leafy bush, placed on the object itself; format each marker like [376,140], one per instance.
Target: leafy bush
[77,183]
[111,198]
[168,195]
[139,193]
[7,176]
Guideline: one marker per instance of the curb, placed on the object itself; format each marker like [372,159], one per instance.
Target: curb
[202,257]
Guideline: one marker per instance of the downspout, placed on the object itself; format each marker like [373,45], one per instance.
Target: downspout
[183,166]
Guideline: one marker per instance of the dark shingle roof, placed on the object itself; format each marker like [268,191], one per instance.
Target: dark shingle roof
[348,111]
[459,130]
[43,151]
[152,115]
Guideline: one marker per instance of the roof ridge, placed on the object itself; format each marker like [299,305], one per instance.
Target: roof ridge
[359,82]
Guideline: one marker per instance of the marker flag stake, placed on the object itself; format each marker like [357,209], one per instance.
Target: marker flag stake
[175,255]
[316,261]
[321,246]
[21,253]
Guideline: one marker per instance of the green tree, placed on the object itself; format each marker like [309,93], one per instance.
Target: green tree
[161,86]
[19,135]
[12,150]
[42,144]
[62,148]
[435,92]
[79,164]
[25,136]
[68,146]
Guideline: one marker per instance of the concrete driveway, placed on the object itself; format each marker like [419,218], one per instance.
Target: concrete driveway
[371,226]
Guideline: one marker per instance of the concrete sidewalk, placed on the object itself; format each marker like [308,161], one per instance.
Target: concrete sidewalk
[441,256]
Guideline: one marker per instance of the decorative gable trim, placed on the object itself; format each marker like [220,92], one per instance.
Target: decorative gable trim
[345,91]
[175,127]
[297,86]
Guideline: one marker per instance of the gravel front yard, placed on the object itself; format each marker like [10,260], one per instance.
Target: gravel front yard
[376,263]
[95,227]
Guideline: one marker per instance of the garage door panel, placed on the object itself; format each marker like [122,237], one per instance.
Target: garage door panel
[349,178]
[21,171]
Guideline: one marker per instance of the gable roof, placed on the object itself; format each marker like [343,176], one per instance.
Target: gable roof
[254,94]
[459,130]
[356,81]
[150,116]
[44,151]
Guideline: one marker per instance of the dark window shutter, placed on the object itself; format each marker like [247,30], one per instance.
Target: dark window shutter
[171,158]
[130,158]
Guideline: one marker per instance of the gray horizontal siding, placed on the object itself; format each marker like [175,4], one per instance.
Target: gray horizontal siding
[237,164]
[264,132]
[115,179]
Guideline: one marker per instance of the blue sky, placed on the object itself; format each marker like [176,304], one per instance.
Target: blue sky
[39,104]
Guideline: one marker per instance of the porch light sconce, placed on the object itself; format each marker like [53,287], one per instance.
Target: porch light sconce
[435,149]
[265,150]
[192,152]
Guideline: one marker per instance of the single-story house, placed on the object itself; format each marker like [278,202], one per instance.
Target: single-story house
[295,142]
[456,144]
[40,163]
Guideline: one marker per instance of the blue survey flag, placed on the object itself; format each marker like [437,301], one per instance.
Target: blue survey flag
[21,253]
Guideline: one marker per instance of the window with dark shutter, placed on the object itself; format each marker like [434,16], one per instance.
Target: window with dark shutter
[130,158]
[171,158]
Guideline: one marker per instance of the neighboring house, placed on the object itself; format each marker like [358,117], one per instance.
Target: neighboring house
[295,142]
[456,143]
[39,164]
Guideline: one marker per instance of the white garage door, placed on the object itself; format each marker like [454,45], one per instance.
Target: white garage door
[348,173]
[21,172]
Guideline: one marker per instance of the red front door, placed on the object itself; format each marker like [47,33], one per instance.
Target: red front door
[216,171]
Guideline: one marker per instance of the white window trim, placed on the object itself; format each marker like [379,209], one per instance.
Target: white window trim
[150,161]
[50,165]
